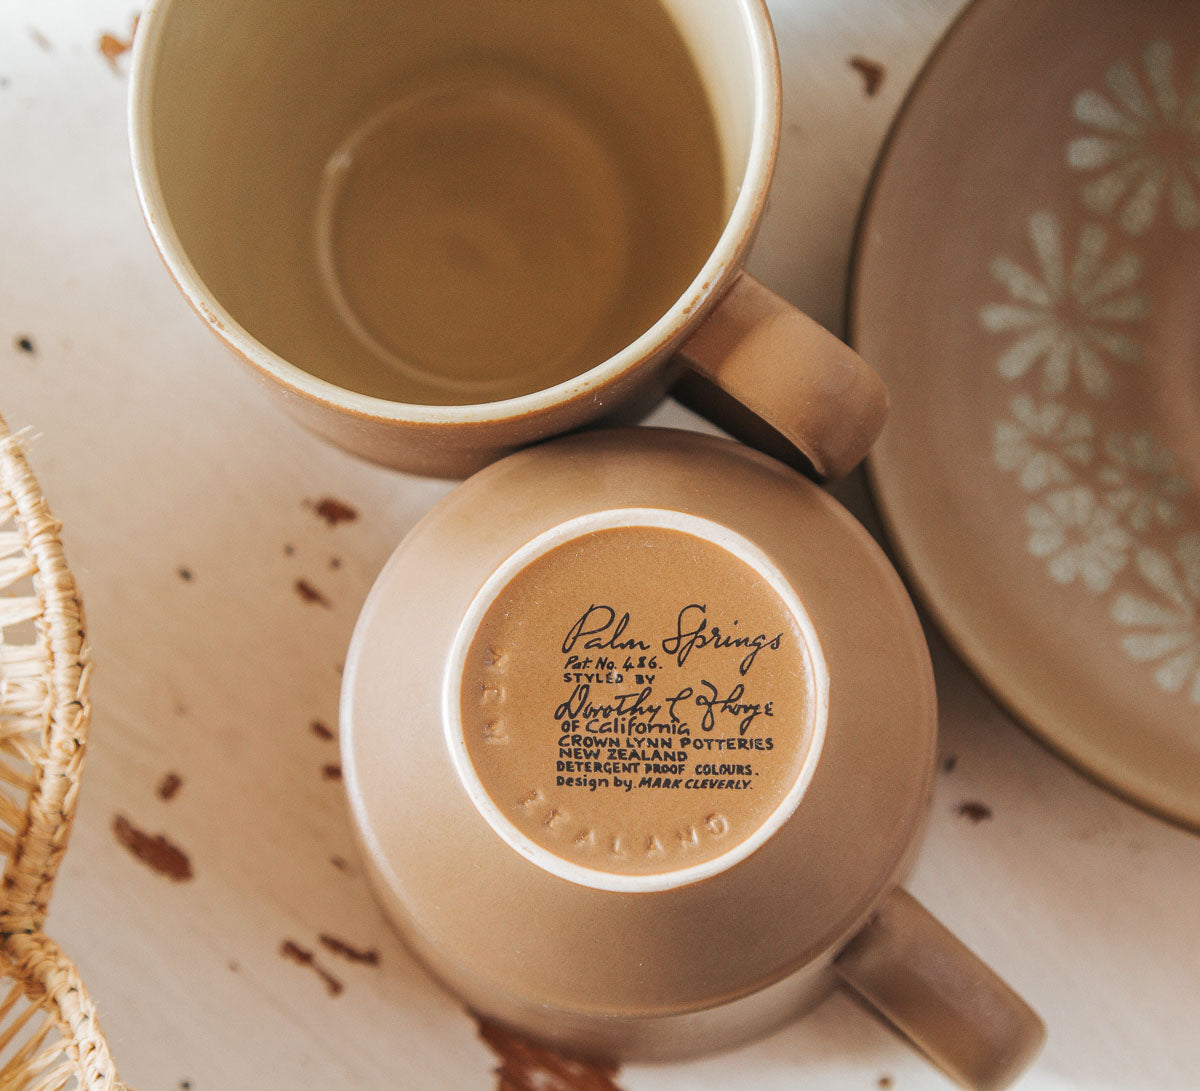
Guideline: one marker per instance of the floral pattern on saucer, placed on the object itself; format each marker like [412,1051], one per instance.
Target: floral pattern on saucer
[1164,628]
[1069,320]
[1106,509]
[1145,143]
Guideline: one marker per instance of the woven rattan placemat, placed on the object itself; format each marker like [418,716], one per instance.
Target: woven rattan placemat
[49,1037]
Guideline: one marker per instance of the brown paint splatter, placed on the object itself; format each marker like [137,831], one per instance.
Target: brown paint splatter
[333,511]
[168,787]
[368,957]
[113,47]
[525,1066]
[310,594]
[155,851]
[40,40]
[872,73]
[974,810]
[949,763]
[331,772]
[25,344]
[303,957]
[322,730]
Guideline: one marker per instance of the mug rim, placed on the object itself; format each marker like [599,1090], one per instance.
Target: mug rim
[722,263]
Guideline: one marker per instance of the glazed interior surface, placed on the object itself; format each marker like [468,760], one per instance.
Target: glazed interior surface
[449,203]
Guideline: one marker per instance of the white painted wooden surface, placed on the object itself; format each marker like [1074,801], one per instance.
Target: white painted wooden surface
[160,455]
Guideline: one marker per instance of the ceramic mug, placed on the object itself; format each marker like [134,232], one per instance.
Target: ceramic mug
[638,729]
[440,231]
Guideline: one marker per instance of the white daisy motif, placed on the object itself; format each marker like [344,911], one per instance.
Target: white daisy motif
[1067,318]
[1141,479]
[1146,143]
[1081,538]
[1040,443]
[1167,627]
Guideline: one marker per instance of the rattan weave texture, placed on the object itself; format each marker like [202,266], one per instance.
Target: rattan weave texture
[50,1039]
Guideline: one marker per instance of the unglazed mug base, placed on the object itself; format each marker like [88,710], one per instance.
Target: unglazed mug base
[636,750]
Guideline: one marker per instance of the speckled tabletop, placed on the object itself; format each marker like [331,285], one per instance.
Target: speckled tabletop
[211,894]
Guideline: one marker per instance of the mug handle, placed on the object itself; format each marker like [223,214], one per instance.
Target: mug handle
[953,1007]
[775,379]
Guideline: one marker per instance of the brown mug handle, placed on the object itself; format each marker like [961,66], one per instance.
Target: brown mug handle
[771,376]
[932,988]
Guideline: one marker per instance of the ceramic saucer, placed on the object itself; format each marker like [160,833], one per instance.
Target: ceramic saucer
[1026,282]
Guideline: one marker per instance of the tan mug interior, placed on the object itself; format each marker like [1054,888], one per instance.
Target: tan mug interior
[443,203]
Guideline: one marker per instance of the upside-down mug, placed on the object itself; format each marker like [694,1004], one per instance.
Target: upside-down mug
[638,729]
[439,231]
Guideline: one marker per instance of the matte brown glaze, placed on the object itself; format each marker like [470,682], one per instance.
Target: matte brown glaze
[933,989]
[774,378]
[448,726]
[880,739]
